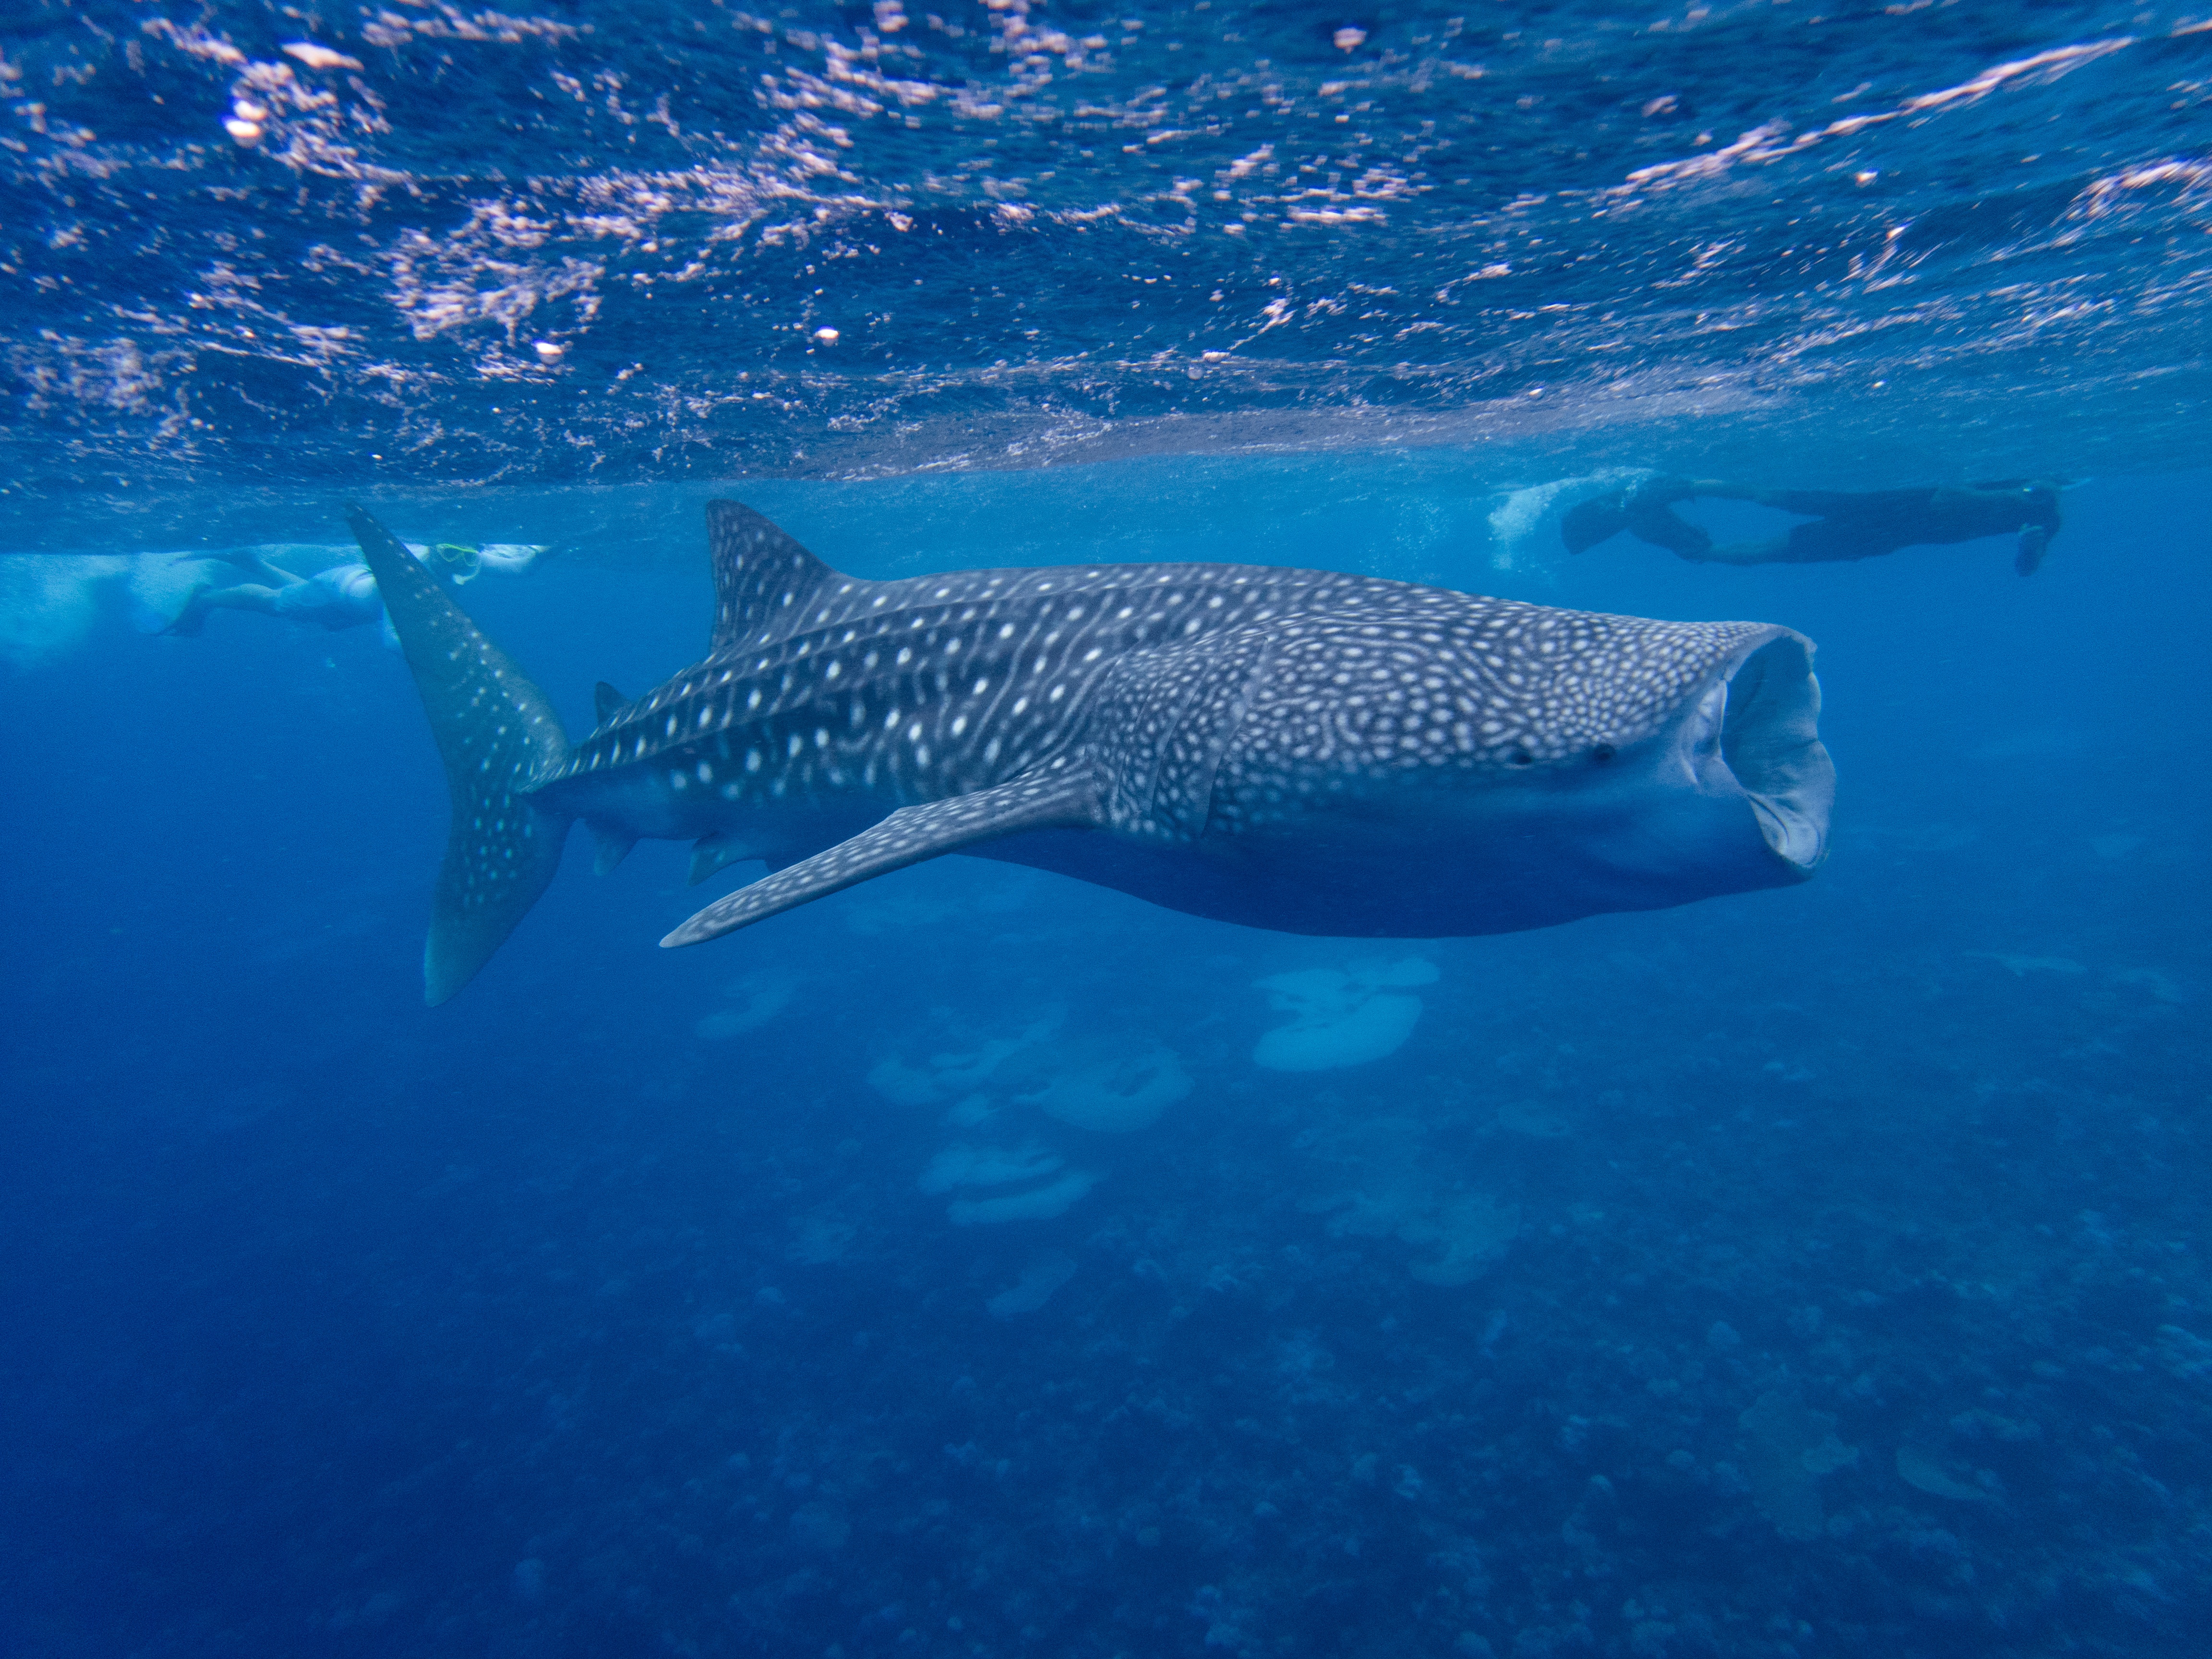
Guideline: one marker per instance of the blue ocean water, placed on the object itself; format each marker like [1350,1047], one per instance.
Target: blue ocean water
[1808,1272]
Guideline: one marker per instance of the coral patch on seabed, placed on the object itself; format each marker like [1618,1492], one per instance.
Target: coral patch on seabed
[1922,1470]
[1527,1117]
[1054,1198]
[1097,1085]
[1787,1449]
[821,1238]
[1114,1097]
[756,998]
[1467,1232]
[1046,1272]
[945,1076]
[1400,1189]
[1029,1184]
[986,1166]
[1345,1019]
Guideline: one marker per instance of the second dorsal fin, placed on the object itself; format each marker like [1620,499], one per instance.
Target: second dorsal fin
[606,702]
[762,578]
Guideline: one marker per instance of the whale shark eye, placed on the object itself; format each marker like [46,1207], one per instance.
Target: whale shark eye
[1603,753]
[1520,757]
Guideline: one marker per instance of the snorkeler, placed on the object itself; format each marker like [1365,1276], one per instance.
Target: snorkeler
[342,595]
[1842,525]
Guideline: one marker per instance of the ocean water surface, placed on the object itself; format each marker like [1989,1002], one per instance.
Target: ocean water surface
[977,1262]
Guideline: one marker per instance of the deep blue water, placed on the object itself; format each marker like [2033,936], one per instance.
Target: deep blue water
[327,1311]
[1831,1272]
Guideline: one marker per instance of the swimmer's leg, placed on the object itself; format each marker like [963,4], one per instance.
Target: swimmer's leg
[1773,551]
[1587,523]
[1662,527]
[251,562]
[1840,540]
[1720,489]
[206,597]
[2034,542]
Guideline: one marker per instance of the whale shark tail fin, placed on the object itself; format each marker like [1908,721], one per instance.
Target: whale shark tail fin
[498,736]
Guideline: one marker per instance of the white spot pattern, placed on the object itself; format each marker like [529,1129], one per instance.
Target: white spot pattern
[1203,695]
[1168,704]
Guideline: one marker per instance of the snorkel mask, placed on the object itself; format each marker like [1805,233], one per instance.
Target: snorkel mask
[455,562]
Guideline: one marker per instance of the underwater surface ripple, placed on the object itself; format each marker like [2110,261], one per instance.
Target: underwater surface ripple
[418,243]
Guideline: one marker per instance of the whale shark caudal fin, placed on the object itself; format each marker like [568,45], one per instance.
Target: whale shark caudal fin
[1068,799]
[496,734]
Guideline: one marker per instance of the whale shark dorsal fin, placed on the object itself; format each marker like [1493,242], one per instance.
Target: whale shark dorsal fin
[762,577]
[606,702]
[1064,800]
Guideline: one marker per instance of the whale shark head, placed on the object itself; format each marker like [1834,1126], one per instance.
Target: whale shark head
[1731,792]
[1532,766]
[1752,733]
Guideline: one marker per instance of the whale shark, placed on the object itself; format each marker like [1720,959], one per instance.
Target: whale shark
[1302,751]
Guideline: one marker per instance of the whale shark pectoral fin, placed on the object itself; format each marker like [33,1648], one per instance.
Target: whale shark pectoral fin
[1048,800]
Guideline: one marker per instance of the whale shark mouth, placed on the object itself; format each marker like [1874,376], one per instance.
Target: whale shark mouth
[1767,706]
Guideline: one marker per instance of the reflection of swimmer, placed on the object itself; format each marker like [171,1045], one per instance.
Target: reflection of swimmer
[342,596]
[1842,525]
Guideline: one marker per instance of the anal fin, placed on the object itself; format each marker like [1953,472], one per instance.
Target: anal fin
[713,853]
[610,847]
[1061,799]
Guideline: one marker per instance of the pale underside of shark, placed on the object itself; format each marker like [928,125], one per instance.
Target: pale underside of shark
[1296,750]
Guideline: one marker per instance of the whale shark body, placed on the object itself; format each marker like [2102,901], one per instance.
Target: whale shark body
[1302,751]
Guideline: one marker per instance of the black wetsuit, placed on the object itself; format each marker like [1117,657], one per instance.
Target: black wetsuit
[1863,526]
[1842,524]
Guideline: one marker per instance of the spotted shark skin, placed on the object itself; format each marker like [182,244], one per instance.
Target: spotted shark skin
[1299,749]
